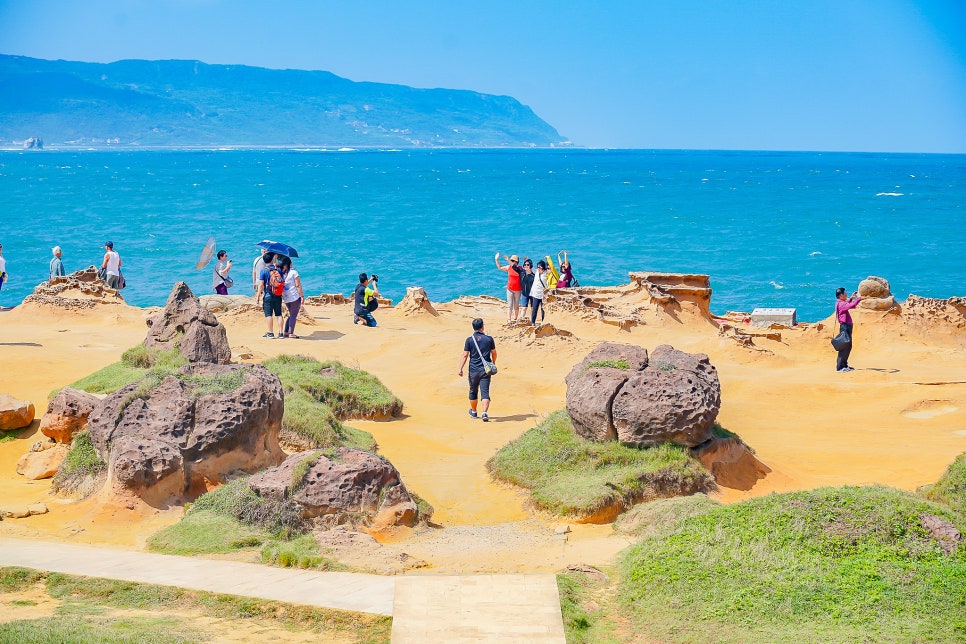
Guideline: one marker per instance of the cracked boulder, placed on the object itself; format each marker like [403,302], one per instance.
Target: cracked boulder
[619,392]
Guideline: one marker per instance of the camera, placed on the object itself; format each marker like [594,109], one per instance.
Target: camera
[375,278]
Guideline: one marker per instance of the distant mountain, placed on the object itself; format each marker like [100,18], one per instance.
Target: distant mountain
[189,103]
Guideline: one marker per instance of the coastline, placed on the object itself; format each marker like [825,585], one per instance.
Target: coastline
[898,420]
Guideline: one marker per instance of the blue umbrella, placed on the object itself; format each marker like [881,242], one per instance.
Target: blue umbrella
[278,248]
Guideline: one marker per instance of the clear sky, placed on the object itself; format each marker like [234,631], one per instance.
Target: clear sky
[858,75]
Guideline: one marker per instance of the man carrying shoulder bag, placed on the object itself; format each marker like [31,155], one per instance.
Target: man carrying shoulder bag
[480,349]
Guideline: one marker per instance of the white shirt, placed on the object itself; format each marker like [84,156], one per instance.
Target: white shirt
[257,267]
[217,278]
[113,263]
[3,264]
[291,292]
[539,285]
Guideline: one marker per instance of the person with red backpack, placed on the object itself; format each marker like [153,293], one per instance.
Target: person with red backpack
[271,285]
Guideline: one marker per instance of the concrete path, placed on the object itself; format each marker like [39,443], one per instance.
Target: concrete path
[425,608]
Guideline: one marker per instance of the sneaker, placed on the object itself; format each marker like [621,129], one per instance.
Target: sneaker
[843,370]
[850,368]
[486,418]
[472,413]
[269,335]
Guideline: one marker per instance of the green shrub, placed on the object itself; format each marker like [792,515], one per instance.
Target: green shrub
[620,363]
[81,463]
[14,579]
[570,475]
[238,501]
[834,564]
[950,489]
[302,552]
[134,364]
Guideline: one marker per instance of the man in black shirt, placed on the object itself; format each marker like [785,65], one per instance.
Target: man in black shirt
[479,379]
[365,302]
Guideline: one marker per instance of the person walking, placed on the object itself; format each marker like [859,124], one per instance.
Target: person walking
[842,307]
[269,291]
[292,296]
[537,291]
[513,287]
[56,264]
[366,294]
[112,265]
[221,281]
[478,346]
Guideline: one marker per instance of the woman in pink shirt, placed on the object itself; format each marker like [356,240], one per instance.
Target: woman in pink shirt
[842,307]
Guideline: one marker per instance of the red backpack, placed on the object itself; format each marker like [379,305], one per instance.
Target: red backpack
[276,281]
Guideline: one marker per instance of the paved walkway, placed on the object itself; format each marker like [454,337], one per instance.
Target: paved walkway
[425,608]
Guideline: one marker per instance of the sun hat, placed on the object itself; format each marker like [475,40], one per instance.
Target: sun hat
[514,258]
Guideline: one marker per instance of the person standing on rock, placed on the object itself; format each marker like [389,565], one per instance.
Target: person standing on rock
[537,291]
[112,265]
[526,283]
[478,346]
[842,307]
[56,264]
[513,288]
[221,280]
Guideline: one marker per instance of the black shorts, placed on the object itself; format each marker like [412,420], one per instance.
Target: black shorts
[481,381]
[272,305]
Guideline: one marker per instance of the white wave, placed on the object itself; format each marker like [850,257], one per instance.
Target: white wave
[347,149]
[778,285]
[889,194]
[814,253]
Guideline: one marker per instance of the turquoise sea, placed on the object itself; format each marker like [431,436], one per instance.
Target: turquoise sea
[771,228]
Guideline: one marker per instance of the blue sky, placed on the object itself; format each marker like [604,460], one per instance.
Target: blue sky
[858,75]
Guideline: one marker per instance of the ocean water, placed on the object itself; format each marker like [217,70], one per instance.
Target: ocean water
[771,228]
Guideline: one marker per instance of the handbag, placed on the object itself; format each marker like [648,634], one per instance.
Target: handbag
[488,367]
[121,282]
[228,281]
[841,341]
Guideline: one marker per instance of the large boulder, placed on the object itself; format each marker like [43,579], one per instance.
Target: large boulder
[618,391]
[67,414]
[876,294]
[198,333]
[169,441]
[15,413]
[42,461]
[349,486]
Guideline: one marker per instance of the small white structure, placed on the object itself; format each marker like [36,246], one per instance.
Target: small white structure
[767,317]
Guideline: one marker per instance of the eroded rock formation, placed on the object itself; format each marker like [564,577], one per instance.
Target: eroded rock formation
[619,392]
[876,294]
[67,414]
[79,290]
[167,442]
[199,335]
[416,302]
[350,486]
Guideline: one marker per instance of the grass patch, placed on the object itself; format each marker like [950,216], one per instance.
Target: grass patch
[134,364]
[301,552]
[833,565]
[620,363]
[654,517]
[950,489]
[81,465]
[569,475]
[15,579]
[320,395]
[214,384]
[83,618]
[584,607]
[350,393]
[204,532]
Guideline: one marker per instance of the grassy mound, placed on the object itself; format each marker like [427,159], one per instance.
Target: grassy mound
[569,475]
[648,519]
[835,564]
[320,395]
[135,363]
[81,469]
[950,489]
